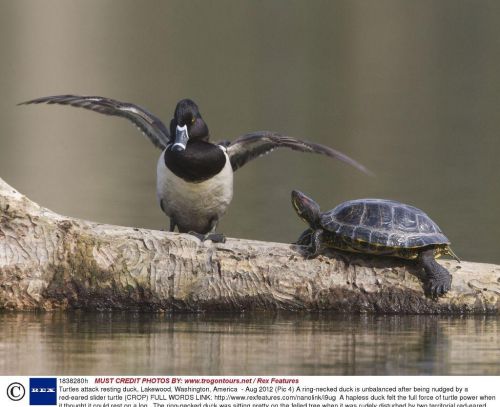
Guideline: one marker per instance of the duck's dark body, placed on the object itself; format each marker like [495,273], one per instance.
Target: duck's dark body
[193,201]
[198,162]
[194,176]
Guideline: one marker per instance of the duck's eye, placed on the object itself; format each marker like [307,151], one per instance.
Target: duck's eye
[193,120]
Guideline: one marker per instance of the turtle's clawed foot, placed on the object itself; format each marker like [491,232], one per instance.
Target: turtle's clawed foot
[305,240]
[438,281]
[310,252]
[309,255]
[437,285]
[214,237]
[315,246]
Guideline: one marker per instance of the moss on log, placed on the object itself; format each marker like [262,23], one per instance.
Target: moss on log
[49,261]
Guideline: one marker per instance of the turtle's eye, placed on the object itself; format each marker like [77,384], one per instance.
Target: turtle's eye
[193,120]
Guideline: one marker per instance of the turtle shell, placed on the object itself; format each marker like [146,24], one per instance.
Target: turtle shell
[385,223]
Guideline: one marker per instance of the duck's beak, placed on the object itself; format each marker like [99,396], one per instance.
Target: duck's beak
[181,138]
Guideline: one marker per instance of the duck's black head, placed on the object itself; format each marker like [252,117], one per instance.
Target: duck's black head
[187,125]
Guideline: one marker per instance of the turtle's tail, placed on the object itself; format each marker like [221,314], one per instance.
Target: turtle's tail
[451,253]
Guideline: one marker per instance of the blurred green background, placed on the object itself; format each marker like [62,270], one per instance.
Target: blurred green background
[409,88]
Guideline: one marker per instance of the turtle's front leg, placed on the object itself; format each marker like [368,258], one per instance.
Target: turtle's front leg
[305,238]
[316,244]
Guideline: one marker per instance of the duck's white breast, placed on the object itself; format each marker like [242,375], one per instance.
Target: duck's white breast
[194,204]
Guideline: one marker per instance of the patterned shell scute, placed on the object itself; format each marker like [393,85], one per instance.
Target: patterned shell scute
[383,223]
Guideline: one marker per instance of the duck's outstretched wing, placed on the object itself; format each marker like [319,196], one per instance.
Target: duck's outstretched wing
[149,124]
[253,145]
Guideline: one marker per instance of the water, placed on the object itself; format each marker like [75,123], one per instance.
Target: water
[262,344]
[410,89]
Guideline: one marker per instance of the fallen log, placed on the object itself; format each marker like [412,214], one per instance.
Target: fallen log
[49,261]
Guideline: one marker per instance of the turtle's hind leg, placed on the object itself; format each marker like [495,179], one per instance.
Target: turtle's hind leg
[438,280]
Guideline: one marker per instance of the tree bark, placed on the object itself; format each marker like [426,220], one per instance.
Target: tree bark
[49,261]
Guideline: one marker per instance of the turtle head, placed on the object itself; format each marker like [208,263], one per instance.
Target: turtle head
[306,208]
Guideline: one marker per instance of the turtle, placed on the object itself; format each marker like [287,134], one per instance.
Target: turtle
[377,227]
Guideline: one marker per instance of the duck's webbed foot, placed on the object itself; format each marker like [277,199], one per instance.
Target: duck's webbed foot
[210,235]
[438,278]
[214,237]
[173,223]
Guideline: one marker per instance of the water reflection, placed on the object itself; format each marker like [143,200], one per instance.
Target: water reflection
[123,343]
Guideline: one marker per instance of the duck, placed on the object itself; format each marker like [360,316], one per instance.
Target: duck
[194,175]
